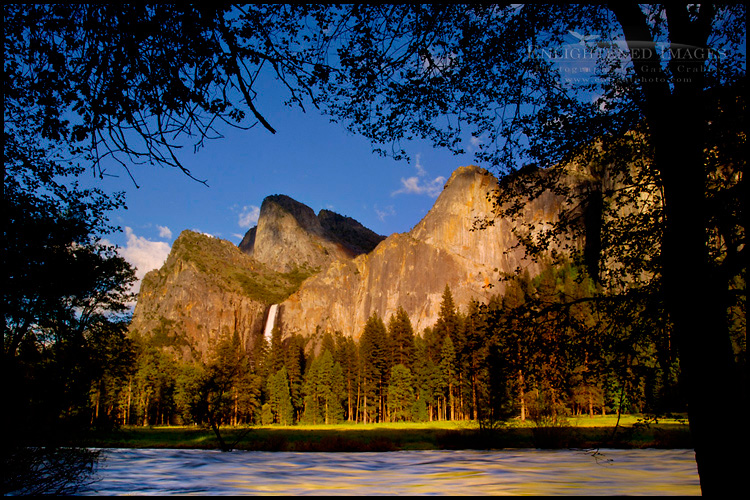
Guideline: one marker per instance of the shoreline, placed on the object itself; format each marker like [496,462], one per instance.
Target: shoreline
[399,437]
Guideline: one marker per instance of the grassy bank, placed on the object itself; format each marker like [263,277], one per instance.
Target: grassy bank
[576,433]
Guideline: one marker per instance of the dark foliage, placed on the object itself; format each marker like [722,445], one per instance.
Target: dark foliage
[657,134]
[47,471]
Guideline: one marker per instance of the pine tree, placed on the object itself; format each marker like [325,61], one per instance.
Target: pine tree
[294,361]
[425,375]
[249,397]
[449,324]
[280,399]
[339,394]
[474,334]
[261,350]
[323,389]
[448,375]
[374,365]
[187,391]
[448,321]
[419,411]
[311,407]
[328,343]
[330,387]
[400,394]
[433,342]
[348,358]
[401,335]
[513,338]
[153,385]
[275,351]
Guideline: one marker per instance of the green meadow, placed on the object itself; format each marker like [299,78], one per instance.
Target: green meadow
[583,432]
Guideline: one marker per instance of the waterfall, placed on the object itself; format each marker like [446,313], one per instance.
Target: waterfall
[270,322]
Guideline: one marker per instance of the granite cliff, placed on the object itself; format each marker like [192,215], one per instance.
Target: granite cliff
[205,289]
[328,271]
[412,269]
[209,287]
[309,241]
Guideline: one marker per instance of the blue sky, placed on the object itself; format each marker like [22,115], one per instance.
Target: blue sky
[310,159]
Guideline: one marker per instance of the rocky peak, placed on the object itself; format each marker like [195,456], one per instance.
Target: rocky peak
[464,201]
[464,219]
[281,203]
[248,241]
[329,271]
[411,270]
[290,236]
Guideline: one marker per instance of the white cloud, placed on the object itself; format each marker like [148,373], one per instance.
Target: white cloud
[164,232]
[145,255]
[387,211]
[437,63]
[474,143]
[412,185]
[421,172]
[248,216]
[415,185]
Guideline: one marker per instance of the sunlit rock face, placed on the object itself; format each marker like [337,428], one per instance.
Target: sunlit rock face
[466,202]
[191,314]
[290,236]
[329,272]
[412,269]
[210,289]
[207,290]
[197,296]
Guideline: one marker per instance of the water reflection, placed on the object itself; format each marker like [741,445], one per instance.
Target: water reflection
[506,472]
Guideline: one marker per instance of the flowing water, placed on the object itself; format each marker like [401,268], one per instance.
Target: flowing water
[270,322]
[505,472]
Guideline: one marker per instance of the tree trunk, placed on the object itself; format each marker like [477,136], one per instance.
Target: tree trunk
[460,403]
[236,404]
[357,417]
[96,408]
[349,400]
[695,302]
[695,294]
[522,396]
[474,414]
[145,412]
[130,397]
[451,401]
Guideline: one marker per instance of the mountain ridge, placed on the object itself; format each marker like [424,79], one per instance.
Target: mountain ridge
[412,269]
[328,272]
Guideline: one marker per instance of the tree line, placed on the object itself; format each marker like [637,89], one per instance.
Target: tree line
[542,350]
[95,86]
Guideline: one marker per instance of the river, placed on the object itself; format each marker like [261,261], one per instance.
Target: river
[505,472]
